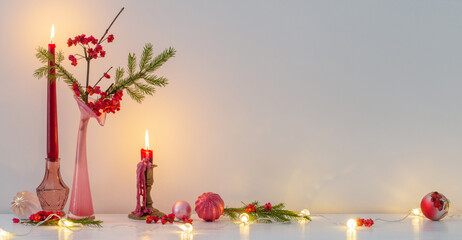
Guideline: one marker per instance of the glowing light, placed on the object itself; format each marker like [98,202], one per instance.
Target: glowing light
[146,139]
[302,221]
[416,211]
[351,223]
[4,234]
[64,234]
[187,227]
[244,218]
[244,231]
[65,223]
[305,212]
[52,36]
[186,236]
[351,234]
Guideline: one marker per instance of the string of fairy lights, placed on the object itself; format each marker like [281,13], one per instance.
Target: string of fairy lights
[187,228]
[64,223]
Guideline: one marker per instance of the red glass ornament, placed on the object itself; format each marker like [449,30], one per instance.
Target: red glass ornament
[434,206]
[209,206]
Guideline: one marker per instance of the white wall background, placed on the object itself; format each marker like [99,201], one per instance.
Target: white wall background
[335,106]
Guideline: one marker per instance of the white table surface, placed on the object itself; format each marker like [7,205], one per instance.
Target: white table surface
[118,226]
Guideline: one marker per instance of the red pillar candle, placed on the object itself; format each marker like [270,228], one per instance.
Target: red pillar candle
[146,153]
[52,119]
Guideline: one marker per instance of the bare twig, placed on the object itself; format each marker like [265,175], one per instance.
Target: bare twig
[107,30]
[102,77]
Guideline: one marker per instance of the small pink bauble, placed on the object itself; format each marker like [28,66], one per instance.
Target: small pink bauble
[434,206]
[209,206]
[181,208]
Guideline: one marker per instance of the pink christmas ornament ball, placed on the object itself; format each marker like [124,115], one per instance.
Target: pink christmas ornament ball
[434,206]
[209,206]
[181,208]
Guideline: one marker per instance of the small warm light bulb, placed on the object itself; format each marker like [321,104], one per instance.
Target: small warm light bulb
[65,223]
[416,211]
[244,218]
[351,223]
[146,139]
[52,36]
[305,212]
[187,227]
[4,234]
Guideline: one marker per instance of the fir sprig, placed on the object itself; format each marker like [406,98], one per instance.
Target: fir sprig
[133,83]
[55,222]
[277,213]
[44,57]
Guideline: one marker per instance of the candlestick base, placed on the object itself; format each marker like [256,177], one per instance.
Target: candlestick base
[155,212]
[52,192]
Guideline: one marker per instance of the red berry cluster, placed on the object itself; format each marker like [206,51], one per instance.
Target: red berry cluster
[42,215]
[104,104]
[110,38]
[150,219]
[93,53]
[437,202]
[366,222]
[186,219]
[268,206]
[250,208]
[85,42]
[16,220]
[75,88]
[73,60]
[167,219]
[81,39]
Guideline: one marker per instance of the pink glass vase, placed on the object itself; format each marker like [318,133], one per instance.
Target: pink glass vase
[81,205]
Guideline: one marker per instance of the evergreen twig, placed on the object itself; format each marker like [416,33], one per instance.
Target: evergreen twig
[55,222]
[132,83]
[277,213]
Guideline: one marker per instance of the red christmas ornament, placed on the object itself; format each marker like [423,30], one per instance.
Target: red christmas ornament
[209,206]
[434,206]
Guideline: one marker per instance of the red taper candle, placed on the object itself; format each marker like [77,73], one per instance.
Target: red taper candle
[146,153]
[52,118]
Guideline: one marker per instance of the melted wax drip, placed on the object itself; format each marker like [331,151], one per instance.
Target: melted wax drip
[143,167]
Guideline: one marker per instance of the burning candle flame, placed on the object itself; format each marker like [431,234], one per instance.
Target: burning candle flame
[52,36]
[146,139]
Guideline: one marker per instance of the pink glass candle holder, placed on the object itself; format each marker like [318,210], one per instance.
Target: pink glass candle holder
[52,192]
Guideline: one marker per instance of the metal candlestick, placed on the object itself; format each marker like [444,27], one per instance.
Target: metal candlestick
[149,182]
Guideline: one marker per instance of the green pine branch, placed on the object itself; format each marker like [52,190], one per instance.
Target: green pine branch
[55,222]
[89,222]
[44,56]
[133,83]
[146,56]
[277,213]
